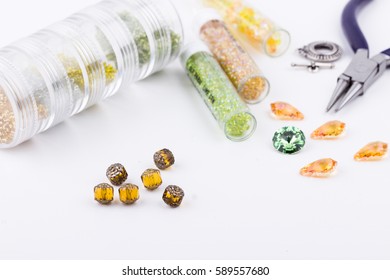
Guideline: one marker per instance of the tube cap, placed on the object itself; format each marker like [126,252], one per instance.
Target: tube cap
[203,17]
[192,48]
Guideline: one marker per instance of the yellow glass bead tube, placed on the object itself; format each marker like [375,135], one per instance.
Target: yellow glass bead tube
[260,31]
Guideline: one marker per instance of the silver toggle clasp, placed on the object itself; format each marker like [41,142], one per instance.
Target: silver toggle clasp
[314,67]
[321,51]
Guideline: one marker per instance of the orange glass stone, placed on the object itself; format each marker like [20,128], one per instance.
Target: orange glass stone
[285,111]
[372,151]
[320,168]
[329,130]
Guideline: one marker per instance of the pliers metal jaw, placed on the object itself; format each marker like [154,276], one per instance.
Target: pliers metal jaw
[361,73]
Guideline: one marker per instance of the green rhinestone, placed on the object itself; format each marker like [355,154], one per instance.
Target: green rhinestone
[289,140]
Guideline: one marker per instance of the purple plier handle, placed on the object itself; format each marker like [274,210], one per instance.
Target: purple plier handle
[351,27]
[363,71]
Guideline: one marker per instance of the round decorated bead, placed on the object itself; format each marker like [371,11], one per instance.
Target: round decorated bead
[117,174]
[173,196]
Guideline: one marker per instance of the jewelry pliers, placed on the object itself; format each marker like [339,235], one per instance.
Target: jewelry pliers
[363,71]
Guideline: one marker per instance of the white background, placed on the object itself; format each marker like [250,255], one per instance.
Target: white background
[243,200]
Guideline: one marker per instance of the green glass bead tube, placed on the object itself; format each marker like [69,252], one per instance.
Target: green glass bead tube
[218,93]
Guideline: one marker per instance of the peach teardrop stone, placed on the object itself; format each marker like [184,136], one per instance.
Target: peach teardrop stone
[372,151]
[329,130]
[285,111]
[319,168]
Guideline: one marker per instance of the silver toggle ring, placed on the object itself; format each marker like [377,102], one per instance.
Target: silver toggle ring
[321,51]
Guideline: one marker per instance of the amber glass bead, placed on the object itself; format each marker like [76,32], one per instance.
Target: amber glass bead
[104,193]
[117,174]
[173,196]
[329,130]
[151,178]
[285,111]
[320,168]
[164,159]
[128,193]
[372,151]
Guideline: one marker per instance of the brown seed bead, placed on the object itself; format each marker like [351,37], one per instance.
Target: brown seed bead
[173,196]
[104,193]
[164,159]
[128,193]
[117,174]
[151,178]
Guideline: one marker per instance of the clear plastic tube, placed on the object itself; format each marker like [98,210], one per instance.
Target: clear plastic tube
[251,24]
[239,66]
[218,93]
[71,65]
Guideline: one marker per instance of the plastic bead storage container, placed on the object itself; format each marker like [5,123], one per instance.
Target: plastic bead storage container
[71,65]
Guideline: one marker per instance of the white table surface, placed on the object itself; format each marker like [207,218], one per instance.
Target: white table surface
[243,200]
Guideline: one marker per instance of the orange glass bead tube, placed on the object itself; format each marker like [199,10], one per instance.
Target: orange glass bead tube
[239,66]
[259,30]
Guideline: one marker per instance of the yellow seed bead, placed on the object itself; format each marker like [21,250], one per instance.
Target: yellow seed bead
[110,72]
[151,179]
[128,193]
[104,193]
[253,88]
[173,196]
[272,44]
[164,159]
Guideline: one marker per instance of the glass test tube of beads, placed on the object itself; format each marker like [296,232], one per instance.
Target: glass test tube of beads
[239,66]
[218,92]
[260,31]
[71,65]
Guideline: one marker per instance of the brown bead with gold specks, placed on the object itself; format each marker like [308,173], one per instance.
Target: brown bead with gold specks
[164,159]
[173,196]
[117,174]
